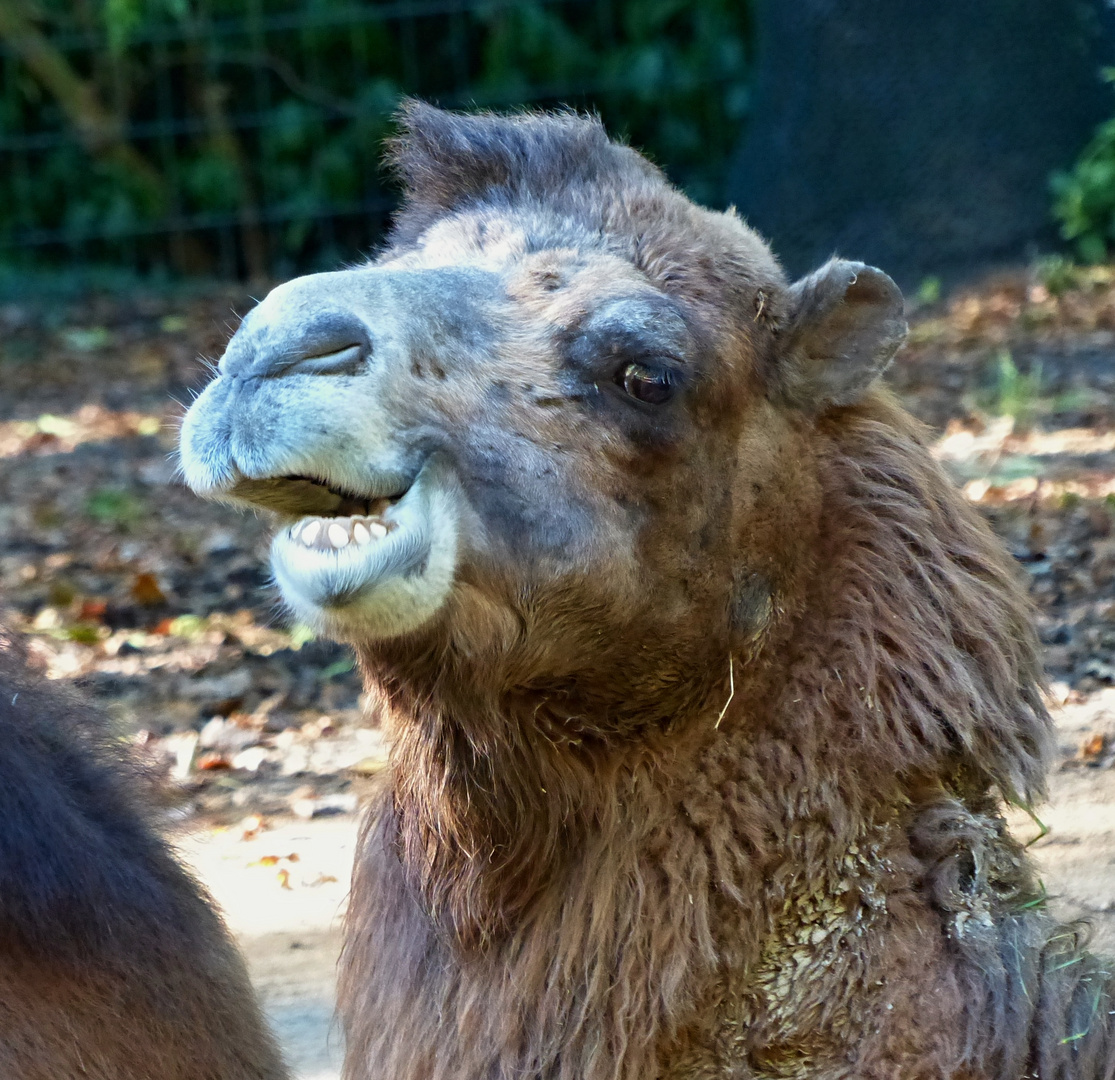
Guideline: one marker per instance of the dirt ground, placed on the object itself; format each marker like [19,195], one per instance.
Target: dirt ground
[160,607]
[287,918]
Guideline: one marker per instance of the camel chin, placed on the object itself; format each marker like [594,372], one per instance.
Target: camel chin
[377,575]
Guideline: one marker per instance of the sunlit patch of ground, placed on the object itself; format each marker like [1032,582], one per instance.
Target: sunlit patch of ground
[1076,856]
[283,890]
[90,423]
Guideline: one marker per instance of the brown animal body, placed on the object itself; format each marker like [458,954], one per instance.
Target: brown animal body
[113,964]
[705,688]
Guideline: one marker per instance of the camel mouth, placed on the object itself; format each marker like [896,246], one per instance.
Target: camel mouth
[366,565]
[301,496]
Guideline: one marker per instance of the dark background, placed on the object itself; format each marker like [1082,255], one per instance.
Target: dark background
[920,136]
[241,138]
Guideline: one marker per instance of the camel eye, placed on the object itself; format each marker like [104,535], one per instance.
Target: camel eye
[653,385]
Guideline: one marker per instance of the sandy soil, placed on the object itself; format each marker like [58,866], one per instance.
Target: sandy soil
[287,917]
[1077,855]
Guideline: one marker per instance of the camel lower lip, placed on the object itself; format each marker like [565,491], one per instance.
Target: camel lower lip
[391,568]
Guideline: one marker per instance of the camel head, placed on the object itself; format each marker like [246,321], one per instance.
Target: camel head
[564,417]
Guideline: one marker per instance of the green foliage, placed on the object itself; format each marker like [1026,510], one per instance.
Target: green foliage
[1058,274]
[1084,199]
[671,76]
[85,632]
[191,627]
[270,115]
[116,507]
[1016,394]
[300,634]
[928,292]
[338,667]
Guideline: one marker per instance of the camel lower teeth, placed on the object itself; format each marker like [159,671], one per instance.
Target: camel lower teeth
[337,533]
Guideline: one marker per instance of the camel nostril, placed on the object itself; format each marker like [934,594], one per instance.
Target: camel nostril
[328,343]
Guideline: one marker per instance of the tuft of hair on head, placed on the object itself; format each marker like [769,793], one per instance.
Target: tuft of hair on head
[448,159]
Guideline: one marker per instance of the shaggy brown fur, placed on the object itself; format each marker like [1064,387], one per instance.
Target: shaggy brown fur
[113,966]
[698,766]
[820,884]
[814,880]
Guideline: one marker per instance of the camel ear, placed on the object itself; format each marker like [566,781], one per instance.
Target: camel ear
[843,324]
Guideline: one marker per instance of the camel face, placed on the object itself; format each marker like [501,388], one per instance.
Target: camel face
[533,404]
[418,424]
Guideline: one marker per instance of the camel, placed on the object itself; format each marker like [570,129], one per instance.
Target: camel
[705,689]
[113,963]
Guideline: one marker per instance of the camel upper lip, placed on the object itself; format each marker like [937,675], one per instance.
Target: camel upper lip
[296,496]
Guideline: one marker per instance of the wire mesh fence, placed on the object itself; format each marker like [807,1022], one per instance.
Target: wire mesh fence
[243,137]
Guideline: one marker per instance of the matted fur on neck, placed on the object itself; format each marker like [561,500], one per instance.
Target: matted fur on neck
[499,782]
